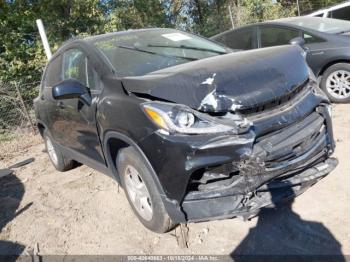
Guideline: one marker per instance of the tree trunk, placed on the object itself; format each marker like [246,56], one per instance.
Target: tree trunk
[199,10]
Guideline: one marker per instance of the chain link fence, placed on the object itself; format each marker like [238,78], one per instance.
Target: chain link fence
[16,109]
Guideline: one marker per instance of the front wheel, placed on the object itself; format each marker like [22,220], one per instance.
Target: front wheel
[59,161]
[336,83]
[142,192]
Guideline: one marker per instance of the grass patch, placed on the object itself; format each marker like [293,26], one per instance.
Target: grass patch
[4,137]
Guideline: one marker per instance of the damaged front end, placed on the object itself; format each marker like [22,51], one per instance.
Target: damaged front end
[285,161]
[285,150]
[250,147]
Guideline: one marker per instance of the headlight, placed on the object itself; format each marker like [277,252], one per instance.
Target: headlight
[176,118]
[185,119]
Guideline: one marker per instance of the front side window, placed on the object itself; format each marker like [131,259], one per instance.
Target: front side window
[135,53]
[241,39]
[273,36]
[76,66]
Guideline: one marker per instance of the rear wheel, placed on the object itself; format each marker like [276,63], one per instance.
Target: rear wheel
[336,83]
[142,192]
[59,161]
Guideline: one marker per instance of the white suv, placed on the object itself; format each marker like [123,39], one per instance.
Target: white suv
[340,11]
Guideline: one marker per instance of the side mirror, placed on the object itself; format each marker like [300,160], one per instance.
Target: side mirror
[298,41]
[71,88]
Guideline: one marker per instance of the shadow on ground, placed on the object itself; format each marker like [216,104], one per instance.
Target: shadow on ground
[280,232]
[11,194]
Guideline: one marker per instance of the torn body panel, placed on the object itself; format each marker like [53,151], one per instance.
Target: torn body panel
[249,205]
[282,143]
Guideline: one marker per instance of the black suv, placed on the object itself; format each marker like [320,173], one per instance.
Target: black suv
[191,130]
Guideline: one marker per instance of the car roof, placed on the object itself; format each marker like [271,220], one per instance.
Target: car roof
[319,24]
[316,25]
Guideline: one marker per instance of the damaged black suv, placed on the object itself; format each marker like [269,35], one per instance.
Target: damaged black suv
[191,130]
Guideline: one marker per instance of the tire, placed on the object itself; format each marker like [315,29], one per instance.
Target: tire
[58,160]
[134,173]
[335,85]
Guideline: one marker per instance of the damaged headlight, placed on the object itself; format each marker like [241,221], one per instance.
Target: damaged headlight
[176,118]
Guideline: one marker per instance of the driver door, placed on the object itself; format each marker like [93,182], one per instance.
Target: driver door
[78,129]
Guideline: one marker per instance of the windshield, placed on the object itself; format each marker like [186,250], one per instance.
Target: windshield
[326,25]
[135,53]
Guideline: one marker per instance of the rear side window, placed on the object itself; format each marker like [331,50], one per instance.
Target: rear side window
[311,39]
[241,39]
[341,13]
[53,72]
[273,36]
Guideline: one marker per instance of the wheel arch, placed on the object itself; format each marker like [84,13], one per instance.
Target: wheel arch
[334,62]
[113,143]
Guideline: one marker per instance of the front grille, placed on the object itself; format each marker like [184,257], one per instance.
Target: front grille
[271,104]
[294,144]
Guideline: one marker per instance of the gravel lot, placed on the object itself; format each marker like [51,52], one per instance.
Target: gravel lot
[85,212]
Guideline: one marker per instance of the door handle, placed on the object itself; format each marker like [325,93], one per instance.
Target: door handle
[61,105]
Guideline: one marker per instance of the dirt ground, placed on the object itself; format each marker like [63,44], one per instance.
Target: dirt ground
[85,212]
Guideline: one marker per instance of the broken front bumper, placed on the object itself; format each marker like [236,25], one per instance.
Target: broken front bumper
[290,160]
[227,176]
[248,205]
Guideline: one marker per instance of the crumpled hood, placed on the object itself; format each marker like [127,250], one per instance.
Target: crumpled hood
[226,82]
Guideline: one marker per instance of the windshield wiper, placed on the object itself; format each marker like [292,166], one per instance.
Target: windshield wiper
[155,53]
[189,47]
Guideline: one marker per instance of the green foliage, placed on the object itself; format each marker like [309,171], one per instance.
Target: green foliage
[208,17]
[313,5]
[253,11]
[22,57]
[127,14]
